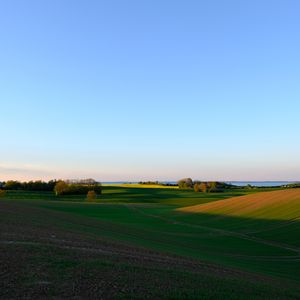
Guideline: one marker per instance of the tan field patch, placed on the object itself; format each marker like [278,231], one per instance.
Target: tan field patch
[283,204]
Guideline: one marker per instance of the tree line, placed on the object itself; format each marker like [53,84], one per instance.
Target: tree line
[203,186]
[37,185]
[157,183]
[88,187]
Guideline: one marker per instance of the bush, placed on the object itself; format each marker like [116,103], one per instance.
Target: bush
[60,188]
[197,187]
[2,193]
[91,196]
[203,187]
[212,186]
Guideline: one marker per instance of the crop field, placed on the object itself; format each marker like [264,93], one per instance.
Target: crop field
[151,243]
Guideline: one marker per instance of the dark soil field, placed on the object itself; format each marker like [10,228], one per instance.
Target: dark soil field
[69,249]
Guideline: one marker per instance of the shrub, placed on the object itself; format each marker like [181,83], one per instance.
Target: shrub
[197,187]
[2,193]
[203,187]
[91,196]
[212,186]
[60,188]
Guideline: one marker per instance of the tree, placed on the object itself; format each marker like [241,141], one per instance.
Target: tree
[13,185]
[203,187]
[91,196]
[212,186]
[60,188]
[2,193]
[185,183]
[197,187]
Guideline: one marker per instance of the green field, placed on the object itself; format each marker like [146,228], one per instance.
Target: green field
[261,244]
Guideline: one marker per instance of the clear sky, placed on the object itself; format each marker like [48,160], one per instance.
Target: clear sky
[150,89]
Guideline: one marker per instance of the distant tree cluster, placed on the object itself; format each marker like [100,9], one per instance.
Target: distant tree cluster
[150,182]
[63,188]
[88,181]
[292,185]
[202,186]
[169,184]
[249,187]
[157,183]
[185,183]
[29,186]
[210,187]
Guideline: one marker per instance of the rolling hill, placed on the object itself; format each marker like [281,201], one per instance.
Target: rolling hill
[276,205]
[222,248]
[274,216]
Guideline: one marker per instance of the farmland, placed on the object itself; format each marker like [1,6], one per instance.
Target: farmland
[139,242]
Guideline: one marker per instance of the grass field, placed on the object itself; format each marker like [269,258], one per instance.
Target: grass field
[174,244]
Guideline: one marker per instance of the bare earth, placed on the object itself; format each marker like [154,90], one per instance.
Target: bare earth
[41,260]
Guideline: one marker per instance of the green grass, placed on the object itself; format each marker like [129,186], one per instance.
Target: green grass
[119,194]
[147,217]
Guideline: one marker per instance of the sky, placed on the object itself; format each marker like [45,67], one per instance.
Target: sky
[150,89]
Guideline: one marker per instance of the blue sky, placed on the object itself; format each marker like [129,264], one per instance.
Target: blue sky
[135,90]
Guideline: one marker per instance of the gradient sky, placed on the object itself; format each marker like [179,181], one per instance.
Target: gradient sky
[150,89]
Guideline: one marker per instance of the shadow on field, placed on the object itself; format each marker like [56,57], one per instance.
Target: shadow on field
[111,194]
[48,253]
[157,195]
